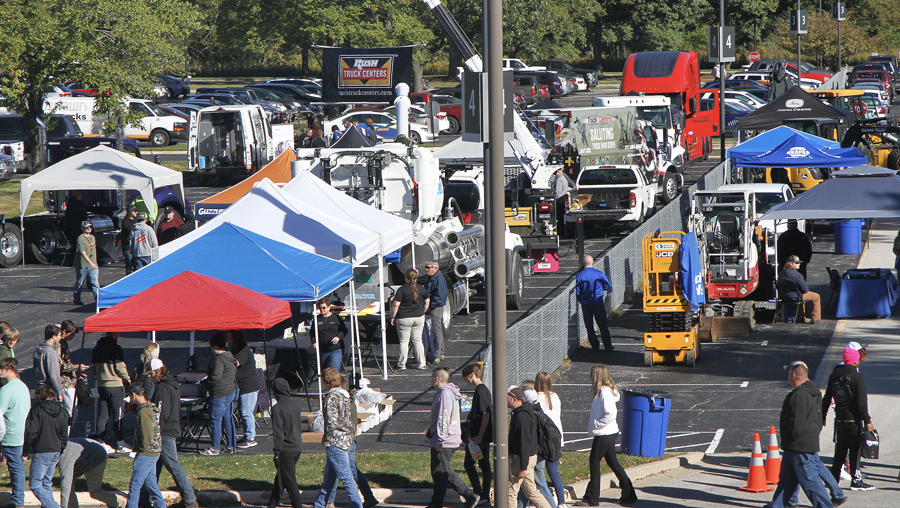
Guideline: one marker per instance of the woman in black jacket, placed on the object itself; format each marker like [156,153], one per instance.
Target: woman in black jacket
[222,384]
[167,396]
[248,384]
[328,334]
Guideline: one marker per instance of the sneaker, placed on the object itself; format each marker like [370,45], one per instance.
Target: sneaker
[370,503]
[421,367]
[845,475]
[584,503]
[837,501]
[329,505]
[487,502]
[228,450]
[77,302]
[123,449]
[860,485]
[471,500]
[250,443]
[210,452]
[399,367]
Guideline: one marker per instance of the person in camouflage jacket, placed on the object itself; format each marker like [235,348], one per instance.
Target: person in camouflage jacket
[147,446]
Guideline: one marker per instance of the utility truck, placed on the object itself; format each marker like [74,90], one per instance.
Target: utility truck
[157,126]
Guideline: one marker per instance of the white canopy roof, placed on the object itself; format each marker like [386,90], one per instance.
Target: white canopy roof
[101,168]
[395,231]
[272,213]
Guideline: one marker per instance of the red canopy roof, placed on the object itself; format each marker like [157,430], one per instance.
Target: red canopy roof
[190,301]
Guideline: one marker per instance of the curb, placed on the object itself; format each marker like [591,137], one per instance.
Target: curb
[390,496]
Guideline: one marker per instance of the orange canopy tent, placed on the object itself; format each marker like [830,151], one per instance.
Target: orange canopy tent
[278,171]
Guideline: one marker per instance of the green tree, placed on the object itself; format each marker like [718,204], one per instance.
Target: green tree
[113,45]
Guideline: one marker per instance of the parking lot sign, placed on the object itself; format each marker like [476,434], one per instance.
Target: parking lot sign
[838,12]
[726,36]
[799,22]
[473,106]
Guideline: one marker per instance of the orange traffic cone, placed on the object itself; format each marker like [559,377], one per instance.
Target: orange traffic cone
[756,478]
[773,459]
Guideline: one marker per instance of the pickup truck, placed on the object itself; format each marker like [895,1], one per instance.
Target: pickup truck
[610,195]
[157,126]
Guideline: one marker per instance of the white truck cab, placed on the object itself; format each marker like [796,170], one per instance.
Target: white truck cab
[229,141]
[157,126]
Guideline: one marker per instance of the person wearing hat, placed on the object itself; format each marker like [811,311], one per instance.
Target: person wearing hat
[847,388]
[142,242]
[86,268]
[125,236]
[794,242]
[790,272]
[523,448]
[167,230]
[801,422]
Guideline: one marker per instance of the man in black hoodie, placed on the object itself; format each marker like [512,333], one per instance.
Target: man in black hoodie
[167,397]
[523,449]
[801,422]
[223,392]
[46,433]
[286,419]
[851,414]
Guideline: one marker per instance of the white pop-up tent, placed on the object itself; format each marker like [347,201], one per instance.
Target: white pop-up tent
[268,211]
[101,168]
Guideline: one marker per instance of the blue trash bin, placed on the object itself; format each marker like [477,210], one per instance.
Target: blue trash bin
[847,236]
[645,421]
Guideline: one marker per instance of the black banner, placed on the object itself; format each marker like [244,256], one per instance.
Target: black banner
[364,75]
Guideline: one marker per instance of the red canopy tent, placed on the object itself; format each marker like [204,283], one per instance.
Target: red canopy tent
[190,301]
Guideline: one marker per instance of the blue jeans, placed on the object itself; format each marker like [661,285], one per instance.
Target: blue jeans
[140,262]
[799,469]
[541,481]
[337,467]
[248,405]
[16,468]
[41,481]
[333,359]
[221,409]
[143,472]
[553,471]
[169,458]
[592,312]
[357,475]
[830,482]
[93,277]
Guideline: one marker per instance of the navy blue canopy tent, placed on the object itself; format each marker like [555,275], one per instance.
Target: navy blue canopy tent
[233,254]
[861,197]
[799,151]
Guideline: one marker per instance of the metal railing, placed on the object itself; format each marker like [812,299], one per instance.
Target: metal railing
[540,341]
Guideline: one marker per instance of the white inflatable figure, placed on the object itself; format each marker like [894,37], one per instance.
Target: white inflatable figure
[402,103]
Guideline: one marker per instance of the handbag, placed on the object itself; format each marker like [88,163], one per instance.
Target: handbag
[869,445]
[83,393]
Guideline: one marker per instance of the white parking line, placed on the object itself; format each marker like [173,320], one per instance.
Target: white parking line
[744,384]
[715,442]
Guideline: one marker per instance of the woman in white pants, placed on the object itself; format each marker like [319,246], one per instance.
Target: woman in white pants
[408,315]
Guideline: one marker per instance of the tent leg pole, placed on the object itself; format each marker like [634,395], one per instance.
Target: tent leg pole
[192,344]
[318,360]
[351,310]
[383,309]
[266,371]
[153,337]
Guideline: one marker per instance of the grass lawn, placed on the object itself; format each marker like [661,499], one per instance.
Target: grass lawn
[9,199]
[255,472]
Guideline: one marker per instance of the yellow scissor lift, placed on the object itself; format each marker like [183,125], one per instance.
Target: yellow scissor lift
[672,331]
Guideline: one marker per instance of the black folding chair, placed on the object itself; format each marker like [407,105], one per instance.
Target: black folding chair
[786,289]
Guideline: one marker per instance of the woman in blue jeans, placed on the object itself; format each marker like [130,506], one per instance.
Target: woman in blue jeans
[338,439]
[247,383]
[329,331]
[223,392]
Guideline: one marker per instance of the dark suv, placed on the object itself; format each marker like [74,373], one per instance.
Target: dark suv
[590,77]
[551,79]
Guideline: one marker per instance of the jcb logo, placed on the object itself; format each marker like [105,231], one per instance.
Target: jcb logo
[664,254]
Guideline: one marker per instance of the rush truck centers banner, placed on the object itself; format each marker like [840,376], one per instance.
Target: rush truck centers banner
[364,75]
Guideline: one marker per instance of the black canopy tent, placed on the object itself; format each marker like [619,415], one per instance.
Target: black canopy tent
[352,138]
[849,197]
[795,104]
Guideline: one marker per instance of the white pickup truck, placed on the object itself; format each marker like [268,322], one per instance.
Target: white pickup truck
[610,195]
[157,126]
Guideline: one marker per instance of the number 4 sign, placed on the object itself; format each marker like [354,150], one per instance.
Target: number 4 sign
[728,45]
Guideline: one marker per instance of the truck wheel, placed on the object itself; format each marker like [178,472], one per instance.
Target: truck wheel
[12,247]
[45,243]
[447,316]
[416,139]
[648,358]
[454,126]
[690,358]
[670,187]
[637,222]
[893,160]
[515,300]
[159,137]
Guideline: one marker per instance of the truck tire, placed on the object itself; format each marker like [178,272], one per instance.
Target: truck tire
[447,316]
[159,137]
[12,246]
[44,241]
[648,358]
[637,222]
[669,187]
[893,160]
[514,299]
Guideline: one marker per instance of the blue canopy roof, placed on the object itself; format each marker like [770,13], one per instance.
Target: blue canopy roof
[236,255]
[765,141]
[800,152]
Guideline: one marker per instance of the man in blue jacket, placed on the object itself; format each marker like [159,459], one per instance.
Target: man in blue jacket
[590,284]
[437,294]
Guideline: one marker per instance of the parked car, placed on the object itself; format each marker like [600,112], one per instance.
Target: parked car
[224,98]
[590,76]
[888,59]
[880,75]
[75,86]
[385,125]
[453,108]
[807,70]
[527,86]
[575,80]
[277,112]
[747,98]
[175,87]
[518,65]
[734,110]
[554,82]
[298,94]
[418,115]
[875,85]
[737,84]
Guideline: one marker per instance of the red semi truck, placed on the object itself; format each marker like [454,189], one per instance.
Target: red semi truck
[676,74]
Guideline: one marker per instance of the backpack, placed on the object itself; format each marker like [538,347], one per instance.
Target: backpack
[548,437]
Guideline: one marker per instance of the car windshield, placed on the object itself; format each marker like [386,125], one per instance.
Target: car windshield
[659,116]
[158,111]
[607,176]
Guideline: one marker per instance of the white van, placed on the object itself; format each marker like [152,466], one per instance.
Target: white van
[158,127]
[229,141]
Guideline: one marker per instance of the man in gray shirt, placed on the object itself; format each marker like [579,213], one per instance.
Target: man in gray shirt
[84,457]
[143,241]
[560,190]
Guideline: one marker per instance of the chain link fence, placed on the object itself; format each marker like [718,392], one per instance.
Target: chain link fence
[540,341]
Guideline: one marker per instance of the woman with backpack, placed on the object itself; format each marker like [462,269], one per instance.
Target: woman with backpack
[552,407]
[602,425]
